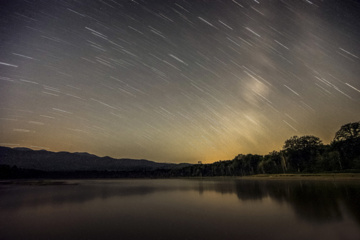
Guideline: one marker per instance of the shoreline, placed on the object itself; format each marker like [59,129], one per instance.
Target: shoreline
[265,177]
[305,176]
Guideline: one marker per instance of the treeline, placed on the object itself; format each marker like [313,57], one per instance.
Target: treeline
[305,154]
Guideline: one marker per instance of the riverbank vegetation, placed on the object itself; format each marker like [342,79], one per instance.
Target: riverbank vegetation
[305,154]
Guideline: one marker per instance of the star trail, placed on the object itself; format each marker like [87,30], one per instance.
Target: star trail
[176,81]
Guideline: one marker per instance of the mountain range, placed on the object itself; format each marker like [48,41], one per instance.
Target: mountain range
[43,160]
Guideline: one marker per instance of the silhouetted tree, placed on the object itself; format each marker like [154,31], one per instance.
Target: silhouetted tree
[330,160]
[347,143]
[271,163]
[301,143]
[348,132]
[303,152]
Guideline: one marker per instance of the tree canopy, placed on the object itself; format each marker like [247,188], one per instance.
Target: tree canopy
[300,143]
[348,131]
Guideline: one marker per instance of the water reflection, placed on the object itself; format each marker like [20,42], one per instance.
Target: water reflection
[310,200]
[317,201]
[237,203]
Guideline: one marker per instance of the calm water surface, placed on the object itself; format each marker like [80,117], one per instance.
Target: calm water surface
[182,209]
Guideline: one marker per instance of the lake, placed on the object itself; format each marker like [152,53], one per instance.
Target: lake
[182,209]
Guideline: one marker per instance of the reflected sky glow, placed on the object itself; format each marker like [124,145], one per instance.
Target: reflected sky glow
[182,209]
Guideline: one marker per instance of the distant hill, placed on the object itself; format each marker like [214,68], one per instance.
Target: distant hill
[65,161]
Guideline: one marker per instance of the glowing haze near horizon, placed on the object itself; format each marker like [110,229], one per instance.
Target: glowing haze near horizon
[176,81]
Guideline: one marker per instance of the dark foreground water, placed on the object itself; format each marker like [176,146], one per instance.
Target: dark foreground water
[182,209]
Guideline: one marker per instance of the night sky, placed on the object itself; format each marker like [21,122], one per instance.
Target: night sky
[176,81]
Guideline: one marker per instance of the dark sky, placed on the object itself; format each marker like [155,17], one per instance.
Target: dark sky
[176,81]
